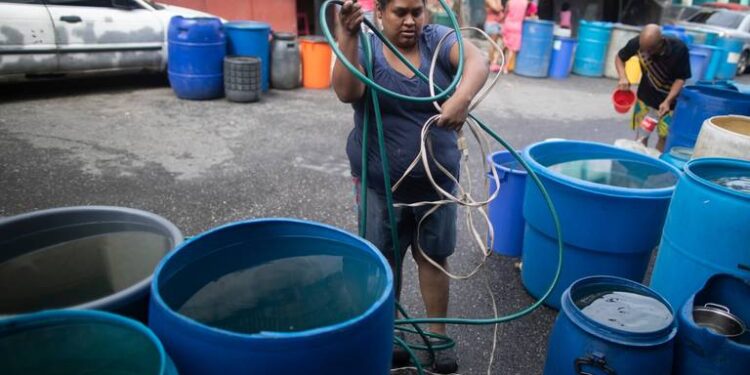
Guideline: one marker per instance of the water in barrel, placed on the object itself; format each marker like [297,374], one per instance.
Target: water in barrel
[738,183]
[618,173]
[251,288]
[626,311]
[78,271]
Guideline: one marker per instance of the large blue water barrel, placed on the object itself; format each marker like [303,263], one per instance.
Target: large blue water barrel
[196,49]
[677,32]
[250,38]
[611,203]
[700,59]
[732,51]
[275,296]
[701,351]
[697,103]
[726,85]
[82,257]
[707,229]
[593,39]
[713,63]
[536,51]
[563,50]
[506,211]
[609,325]
[80,342]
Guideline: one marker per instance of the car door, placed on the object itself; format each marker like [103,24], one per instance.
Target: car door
[27,38]
[106,35]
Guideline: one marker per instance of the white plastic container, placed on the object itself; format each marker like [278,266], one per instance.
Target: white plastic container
[724,136]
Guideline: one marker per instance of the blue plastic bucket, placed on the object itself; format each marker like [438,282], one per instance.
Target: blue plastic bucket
[732,51]
[563,50]
[590,337]
[250,38]
[80,342]
[536,51]
[108,253]
[196,49]
[700,59]
[275,296]
[698,103]
[506,211]
[677,156]
[593,39]
[612,204]
[699,350]
[707,230]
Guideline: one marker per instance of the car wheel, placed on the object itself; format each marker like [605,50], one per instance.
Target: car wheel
[742,65]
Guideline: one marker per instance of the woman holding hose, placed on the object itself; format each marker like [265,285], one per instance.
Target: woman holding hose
[403,24]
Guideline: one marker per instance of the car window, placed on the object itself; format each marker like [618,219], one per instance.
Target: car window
[701,17]
[91,3]
[729,20]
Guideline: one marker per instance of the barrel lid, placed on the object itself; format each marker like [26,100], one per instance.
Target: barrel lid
[284,36]
[313,39]
[247,25]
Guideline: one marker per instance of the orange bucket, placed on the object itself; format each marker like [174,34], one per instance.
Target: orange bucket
[316,63]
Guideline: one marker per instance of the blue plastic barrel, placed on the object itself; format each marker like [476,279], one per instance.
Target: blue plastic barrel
[536,51]
[196,48]
[590,337]
[699,350]
[732,51]
[593,39]
[677,32]
[697,103]
[109,255]
[726,85]
[563,50]
[250,38]
[275,296]
[707,230]
[506,211]
[80,342]
[699,61]
[713,61]
[611,203]
[677,156]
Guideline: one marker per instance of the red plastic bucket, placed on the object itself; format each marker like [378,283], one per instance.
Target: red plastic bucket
[623,100]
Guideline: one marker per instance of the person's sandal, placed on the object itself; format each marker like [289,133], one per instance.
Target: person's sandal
[445,362]
[400,355]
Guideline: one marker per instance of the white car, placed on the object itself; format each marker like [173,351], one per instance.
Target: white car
[59,37]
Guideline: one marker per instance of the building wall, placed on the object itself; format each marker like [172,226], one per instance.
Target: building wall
[280,14]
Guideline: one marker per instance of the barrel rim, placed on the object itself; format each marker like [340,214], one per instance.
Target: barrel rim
[134,291]
[724,130]
[500,167]
[247,25]
[57,315]
[640,339]
[715,93]
[266,338]
[724,162]
[658,193]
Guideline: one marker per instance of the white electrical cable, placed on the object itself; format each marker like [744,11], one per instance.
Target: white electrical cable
[464,197]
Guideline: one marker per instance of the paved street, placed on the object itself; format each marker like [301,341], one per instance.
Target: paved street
[128,141]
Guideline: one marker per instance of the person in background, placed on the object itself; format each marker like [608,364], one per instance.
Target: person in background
[404,24]
[368,9]
[532,10]
[515,12]
[665,62]
[493,27]
[565,16]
